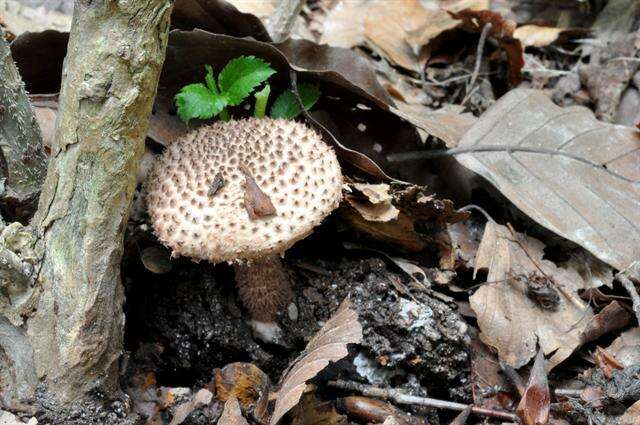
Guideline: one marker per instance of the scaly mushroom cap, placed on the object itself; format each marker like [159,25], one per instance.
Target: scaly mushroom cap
[198,217]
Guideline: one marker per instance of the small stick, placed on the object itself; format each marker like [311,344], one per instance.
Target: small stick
[401,397]
[626,278]
[476,68]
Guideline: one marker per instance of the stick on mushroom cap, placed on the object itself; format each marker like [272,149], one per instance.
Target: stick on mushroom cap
[202,192]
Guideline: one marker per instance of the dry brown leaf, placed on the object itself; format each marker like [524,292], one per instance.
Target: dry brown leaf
[632,415]
[447,124]
[566,188]
[487,377]
[256,202]
[395,29]
[328,345]
[613,317]
[535,404]
[413,205]
[231,415]
[510,317]
[626,348]
[372,201]
[539,36]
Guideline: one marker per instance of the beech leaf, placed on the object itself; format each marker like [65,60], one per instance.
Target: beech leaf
[328,345]
[569,172]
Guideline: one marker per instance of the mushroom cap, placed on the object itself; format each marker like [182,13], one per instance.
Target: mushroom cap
[290,164]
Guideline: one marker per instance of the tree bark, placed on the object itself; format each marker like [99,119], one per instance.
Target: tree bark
[22,160]
[72,336]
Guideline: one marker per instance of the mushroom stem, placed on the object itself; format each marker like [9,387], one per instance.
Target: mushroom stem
[264,287]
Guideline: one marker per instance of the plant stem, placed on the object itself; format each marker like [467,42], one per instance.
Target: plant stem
[261,101]
[224,114]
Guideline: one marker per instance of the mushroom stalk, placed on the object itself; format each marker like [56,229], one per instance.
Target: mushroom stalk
[264,287]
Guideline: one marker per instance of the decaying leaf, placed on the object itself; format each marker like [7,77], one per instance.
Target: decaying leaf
[488,380]
[328,345]
[256,202]
[607,362]
[511,318]
[407,27]
[569,172]
[613,317]
[535,404]
[632,415]
[413,206]
[231,415]
[372,201]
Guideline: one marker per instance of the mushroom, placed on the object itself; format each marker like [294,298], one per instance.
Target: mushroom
[243,192]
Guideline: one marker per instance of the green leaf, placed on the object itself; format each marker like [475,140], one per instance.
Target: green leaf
[286,105]
[197,101]
[210,79]
[241,76]
[261,101]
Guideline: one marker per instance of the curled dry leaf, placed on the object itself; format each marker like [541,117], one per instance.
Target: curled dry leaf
[535,404]
[512,318]
[502,32]
[569,172]
[413,206]
[372,201]
[328,345]
[613,317]
[231,415]
[256,202]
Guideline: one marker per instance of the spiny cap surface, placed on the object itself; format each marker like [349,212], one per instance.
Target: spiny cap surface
[289,162]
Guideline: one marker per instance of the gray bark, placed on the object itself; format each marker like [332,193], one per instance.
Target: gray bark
[22,160]
[74,328]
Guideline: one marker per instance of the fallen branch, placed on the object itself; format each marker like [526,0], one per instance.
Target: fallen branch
[401,397]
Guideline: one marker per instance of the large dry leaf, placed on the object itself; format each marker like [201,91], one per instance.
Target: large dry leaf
[512,315]
[396,29]
[569,172]
[328,345]
[626,348]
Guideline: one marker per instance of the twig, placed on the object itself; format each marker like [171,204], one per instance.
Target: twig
[282,19]
[401,397]
[437,153]
[479,52]
[567,392]
[626,278]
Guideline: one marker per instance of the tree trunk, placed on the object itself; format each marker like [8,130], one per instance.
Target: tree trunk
[71,338]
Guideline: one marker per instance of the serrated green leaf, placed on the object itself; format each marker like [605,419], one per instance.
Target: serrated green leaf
[286,105]
[197,101]
[241,76]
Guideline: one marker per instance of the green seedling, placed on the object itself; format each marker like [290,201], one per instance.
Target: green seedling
[237,80]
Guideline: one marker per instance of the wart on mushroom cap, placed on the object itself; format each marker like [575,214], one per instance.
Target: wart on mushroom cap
[200,196]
